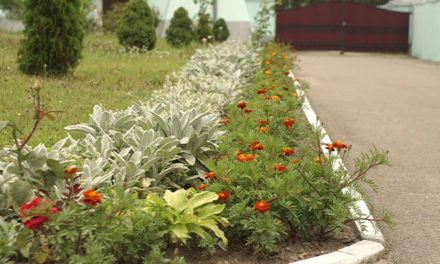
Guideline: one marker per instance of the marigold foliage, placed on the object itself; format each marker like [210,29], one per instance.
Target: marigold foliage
[136,26]
[53,37]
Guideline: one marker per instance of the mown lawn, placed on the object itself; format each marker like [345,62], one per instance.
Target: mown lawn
[106,75]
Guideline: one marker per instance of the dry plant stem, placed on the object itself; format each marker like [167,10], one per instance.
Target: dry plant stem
[37,121]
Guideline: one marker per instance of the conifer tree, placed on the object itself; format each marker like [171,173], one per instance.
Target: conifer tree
[203,29]
[220,30]
[53,37]
[136,26]
[180,32]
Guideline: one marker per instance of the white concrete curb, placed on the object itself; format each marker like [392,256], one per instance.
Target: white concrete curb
[371,247]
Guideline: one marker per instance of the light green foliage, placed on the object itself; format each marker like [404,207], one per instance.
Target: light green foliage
[53,37]
[180,32]
[203,29]
[136,26]
[203,8]
[190,212]
[220,30]
[262,20]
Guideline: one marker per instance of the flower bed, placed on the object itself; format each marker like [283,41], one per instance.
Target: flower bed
[192,167]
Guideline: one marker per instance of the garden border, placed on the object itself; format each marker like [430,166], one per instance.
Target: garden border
[371,247]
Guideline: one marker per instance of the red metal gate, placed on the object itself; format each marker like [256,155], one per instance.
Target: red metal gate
[343,26]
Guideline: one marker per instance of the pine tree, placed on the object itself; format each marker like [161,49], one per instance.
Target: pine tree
[220,30]
[136,26]
[180,32]
[53,37]
[203,29]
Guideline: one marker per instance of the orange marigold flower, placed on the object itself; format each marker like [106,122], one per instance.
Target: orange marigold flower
[274,53]
[339,145]
[289,122]
[294,94]
[253,143]
[279,82]
[284,66]
[209,175]
[267,97]
[257,147]
[240,142]
[286,57]
[260,91]
[91,197]
[241,105]
[238,152]
[202,186]
[279,167]
[292,63]
[285,88]
[262,84]
[245,157]
[225,121]
[223,196]
[275,97]
[219,156]
[287,151]
[273,86]
[318,159]
[250,157]
[279,221]
[247,110]
[263,130]
[268,62]
[261,207]
[72,171]
[268,73]
[295,160]
[262,122]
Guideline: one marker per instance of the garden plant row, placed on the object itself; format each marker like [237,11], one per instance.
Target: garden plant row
[219,154]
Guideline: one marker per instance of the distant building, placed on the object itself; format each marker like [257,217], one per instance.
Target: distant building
[424,27]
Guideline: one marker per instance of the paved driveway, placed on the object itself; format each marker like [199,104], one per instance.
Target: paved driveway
[393,102]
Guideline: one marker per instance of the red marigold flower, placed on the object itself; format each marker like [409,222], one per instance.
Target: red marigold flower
[280,167]
[289,122]
[254,143]
[257,147]
[38,209]
[286,73]
[245,157]
[91,197]
[225,121]
[240,142]
[223,196]
[241,105]
[263,130]
[202,186]
[279,221]
[262,122]
[260,91]
[330,147]
[287,151]
[36,222]
[286,88]
[219,156]
[247,110]
[339,145]
[72,171]
[261,207]
[209,175]
[250,157]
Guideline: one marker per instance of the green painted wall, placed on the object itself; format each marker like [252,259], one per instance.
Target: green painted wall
[426,31]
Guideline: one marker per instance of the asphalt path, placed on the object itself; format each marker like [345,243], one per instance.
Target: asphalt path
[392,102]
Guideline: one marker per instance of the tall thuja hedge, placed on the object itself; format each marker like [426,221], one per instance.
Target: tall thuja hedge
[136,26]
[220,30]
[203,29]
[53,36]
[180,32]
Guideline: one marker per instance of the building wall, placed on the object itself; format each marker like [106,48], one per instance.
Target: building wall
[426,31]
[10,25]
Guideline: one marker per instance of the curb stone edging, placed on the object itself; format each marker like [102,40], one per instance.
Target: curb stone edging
[371,247]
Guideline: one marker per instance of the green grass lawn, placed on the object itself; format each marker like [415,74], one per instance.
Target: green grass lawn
[106,75]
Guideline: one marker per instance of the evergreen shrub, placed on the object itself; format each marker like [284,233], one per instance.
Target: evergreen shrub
[180,32]
[203,29]
[220,30]
[53,37]
[136,26]
[111,17]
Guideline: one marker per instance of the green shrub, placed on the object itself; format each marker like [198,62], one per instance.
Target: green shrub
[220,30]
[136,26]
[180,32]
[110,18]
[203,29]
[53,37]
